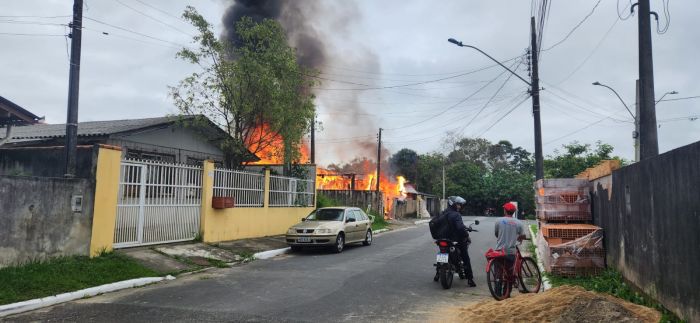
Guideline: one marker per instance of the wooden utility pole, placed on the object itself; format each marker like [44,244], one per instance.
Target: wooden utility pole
[535,92]
[73,88]
[649,145]
[313,140]
[379,158]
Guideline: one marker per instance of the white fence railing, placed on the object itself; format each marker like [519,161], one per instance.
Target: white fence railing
[247,189]
[157,203]
[289,191]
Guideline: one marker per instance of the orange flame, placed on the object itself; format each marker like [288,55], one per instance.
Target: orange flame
[273,150]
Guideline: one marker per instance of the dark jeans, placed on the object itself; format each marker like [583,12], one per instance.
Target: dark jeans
[465,259]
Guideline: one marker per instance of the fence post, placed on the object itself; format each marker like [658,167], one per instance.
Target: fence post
[207,193]
[106,193]
[266,197]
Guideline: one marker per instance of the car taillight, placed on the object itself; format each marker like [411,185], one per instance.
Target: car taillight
[442,243]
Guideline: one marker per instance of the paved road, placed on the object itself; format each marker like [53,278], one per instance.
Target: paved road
[388,281]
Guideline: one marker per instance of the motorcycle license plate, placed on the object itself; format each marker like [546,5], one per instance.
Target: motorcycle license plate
[442,258]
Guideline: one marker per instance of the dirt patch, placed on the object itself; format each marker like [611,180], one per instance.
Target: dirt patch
[560,304]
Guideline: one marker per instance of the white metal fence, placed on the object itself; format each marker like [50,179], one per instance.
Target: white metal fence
[157,203]
[289,191]
[247,189]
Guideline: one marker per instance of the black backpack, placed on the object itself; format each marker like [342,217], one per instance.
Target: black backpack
[439,226]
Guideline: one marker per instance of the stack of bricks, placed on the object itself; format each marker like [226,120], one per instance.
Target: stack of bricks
[571,245]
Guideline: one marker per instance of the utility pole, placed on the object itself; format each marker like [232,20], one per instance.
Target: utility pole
[313,140]
[379,158]
[635,135]
[535,92]
[443,181]
[649,145]
[380,209]
[73,88]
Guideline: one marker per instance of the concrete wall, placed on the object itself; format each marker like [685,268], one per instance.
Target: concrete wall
[37,221]
[651,215]
[45,161]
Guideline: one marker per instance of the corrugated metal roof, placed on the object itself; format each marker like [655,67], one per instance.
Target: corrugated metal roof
[89,128]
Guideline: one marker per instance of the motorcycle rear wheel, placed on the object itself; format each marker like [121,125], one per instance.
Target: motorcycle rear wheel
[446,276]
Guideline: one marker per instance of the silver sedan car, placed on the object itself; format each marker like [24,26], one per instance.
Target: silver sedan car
[331,226]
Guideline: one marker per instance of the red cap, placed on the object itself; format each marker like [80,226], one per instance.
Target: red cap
[509,207]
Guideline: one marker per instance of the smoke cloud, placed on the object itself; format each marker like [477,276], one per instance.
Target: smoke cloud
[310,27]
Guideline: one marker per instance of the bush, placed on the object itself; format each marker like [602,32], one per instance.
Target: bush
[324,201]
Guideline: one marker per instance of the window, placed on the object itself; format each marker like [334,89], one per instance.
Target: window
[360,215]
[351,215]
[142,155]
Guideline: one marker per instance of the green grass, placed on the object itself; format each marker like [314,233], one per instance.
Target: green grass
[378,222]
[323,201]
[66,274]
[611,282]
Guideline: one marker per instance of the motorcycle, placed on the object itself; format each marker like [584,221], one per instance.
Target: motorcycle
[449,260]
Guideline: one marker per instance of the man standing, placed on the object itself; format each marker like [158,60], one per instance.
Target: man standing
[459,232]
[508,232]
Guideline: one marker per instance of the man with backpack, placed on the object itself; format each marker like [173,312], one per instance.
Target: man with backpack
[449,225]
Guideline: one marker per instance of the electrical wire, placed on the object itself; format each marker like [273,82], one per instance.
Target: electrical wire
[154,19]
[133,32]
[505,115]
[37,35]
[667,16]
[619,15]
[574,29]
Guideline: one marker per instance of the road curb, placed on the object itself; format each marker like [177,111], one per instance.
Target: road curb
[271,253]
[380,231]
[545,280]
[24,306]
[421,221]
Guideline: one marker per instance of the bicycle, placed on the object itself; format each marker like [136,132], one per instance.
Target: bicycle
[525,274]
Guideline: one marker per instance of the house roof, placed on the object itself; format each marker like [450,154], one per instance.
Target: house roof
[17,114]
[86,129]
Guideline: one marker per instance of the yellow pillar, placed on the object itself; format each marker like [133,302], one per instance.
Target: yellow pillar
[106,192]
[266,197]
[206,210]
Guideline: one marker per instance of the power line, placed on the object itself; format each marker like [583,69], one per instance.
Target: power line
[133,32]
[575,27]
[38,35]
[154,19]
[41,17]
[452,106]
[160,10]
[505,115]
[576,131]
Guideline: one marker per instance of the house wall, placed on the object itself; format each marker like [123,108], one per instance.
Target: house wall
[175,140]
[650,213]
[45,161]
[37,220]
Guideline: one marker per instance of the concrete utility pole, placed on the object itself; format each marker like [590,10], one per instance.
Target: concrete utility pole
[443,181]
[73,88]
[635,135]
[313,140]
[649,145]
[379,158]
[535,92]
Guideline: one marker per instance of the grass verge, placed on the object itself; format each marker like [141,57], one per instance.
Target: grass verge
[378,222]
[611,282]
[66,274]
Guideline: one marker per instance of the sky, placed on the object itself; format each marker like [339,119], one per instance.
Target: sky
[388,65]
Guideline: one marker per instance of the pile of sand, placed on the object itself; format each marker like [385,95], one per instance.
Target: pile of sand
[561,304]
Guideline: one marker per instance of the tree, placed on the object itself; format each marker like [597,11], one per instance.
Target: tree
[256,91]
[575,159]
[405,163]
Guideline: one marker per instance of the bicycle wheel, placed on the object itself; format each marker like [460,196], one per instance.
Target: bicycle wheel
[497,280]
[529,276]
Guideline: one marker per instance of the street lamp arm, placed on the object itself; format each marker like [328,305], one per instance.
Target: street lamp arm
[459,43]
[618,96]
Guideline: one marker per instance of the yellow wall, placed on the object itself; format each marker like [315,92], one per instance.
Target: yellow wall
[106,191]
[244,222]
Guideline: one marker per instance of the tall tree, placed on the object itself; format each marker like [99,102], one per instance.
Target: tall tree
[576,158]
[255,90]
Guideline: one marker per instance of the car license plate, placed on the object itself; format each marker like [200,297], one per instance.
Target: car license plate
[303,239]
[442,258]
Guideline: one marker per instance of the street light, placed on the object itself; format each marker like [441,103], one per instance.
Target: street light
[534,93]
[672,92]
[635,133]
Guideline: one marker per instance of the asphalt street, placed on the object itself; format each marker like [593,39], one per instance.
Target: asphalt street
[392,280]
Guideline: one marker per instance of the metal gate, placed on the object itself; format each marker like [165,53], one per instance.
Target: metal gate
[157,203]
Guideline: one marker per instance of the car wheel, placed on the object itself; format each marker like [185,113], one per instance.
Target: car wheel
[339,243]
[368,238]
[295,248]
